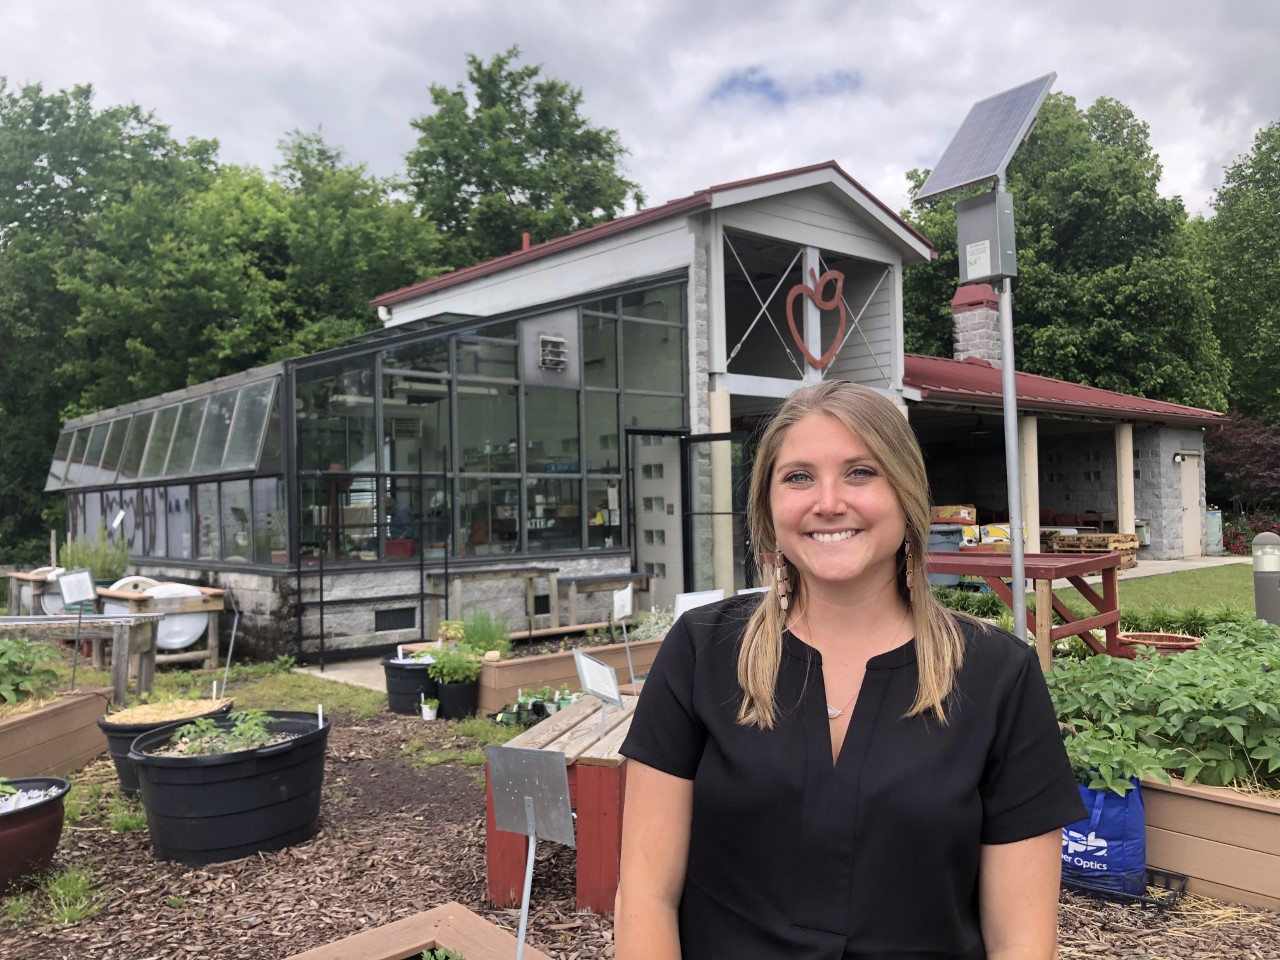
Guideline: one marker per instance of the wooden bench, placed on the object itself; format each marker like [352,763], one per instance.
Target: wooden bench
[597,780]
[596,583]
[131,635]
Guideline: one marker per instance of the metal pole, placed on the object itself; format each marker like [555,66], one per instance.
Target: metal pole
[1013,464]
[530,825]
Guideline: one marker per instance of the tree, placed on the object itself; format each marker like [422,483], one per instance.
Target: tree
[1244,463]
[513,154]
[1245,245]
[240,271]
[61,160]
[1109,290]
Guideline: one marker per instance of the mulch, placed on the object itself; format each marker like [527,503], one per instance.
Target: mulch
[395,840]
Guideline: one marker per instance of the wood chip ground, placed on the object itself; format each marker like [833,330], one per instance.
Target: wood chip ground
[396,840]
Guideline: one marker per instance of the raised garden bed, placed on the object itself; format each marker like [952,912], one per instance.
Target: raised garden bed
[54,739]
[501,681]
[1227,843]
[451,926]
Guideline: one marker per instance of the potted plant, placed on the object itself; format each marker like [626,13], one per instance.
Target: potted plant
[457,676]
[106,561]
[221,788]
[430,708]
[31,815]
[409,681]
[122,727]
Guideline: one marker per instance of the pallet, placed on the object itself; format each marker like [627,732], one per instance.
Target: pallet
[1125,544]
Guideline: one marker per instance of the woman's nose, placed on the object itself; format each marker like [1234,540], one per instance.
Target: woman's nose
[828,497]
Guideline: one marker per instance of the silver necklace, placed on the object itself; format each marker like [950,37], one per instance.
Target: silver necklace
[833,712]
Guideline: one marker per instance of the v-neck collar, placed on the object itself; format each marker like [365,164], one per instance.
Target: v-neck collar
[900,656]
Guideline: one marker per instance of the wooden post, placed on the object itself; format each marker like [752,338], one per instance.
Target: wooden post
[600,794]
[1044,623]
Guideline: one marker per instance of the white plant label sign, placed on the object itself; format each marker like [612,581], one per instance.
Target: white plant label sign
[597,678]
[622,602]
[77,587]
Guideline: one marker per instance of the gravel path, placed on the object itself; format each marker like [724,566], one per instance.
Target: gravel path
[396,840]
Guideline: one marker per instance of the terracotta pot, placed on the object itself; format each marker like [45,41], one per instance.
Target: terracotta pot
[1165,643]
[28,837]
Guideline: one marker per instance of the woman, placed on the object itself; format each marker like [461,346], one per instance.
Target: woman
[841,768]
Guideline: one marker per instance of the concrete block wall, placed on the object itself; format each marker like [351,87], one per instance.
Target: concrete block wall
[1078,472]
[977,477]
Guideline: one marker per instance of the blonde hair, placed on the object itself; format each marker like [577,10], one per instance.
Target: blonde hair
[884,430]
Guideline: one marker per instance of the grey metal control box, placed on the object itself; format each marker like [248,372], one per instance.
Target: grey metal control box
[984,231]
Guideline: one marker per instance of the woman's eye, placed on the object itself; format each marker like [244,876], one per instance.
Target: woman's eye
[796,476]
[861,473]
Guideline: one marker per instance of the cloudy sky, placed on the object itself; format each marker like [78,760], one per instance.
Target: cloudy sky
[701,91]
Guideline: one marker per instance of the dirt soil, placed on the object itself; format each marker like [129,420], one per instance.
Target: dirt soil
[395,840]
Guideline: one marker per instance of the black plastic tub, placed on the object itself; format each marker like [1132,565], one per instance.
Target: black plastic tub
[408,684]
[459,700]
[225,806]
[120,737]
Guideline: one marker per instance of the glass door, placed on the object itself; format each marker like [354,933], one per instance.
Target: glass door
[716,477]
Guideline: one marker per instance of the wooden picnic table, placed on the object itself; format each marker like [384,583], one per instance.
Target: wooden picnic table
[996,569]
[597,781]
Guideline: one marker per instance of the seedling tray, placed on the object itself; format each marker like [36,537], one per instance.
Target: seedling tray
[1164,887]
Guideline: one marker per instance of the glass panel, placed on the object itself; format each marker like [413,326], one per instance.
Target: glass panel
[75,463]
[339,519]
[75,515]
[424,356]
[408,524]
[237,521]
[184,438]
[271,460]
[246,429]
[270,525]
[131,463]
[654,413]
[58,468]
[551,430]
[652,357]
[154,522]
[92,514]
[158,446]
[132,527]
[111,505]
[607,305]
[600,352]
[604,514]
[711,521]
[555,515]
[489,353]
[487,428]
[114,448]
[415,424]
[660,303]
[336,429]
[489,516]
[178,500]
[213,432]
[208,533]
[93,456]
[603,455]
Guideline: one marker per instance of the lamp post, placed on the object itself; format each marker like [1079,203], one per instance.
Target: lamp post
[1266,577]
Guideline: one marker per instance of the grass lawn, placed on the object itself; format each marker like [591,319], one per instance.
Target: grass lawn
[1208,588]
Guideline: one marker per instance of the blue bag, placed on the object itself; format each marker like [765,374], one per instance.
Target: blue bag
[1108,849]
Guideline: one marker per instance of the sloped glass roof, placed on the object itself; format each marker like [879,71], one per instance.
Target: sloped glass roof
[212,429]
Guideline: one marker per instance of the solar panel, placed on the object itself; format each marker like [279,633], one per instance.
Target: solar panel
[985,142]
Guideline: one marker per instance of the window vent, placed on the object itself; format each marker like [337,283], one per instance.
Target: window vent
[553,352]
[404,618]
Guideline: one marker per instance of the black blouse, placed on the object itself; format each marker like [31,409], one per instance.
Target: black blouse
[876,855]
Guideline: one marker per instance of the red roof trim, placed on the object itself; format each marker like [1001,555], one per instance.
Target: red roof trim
[978,382]
[684,205]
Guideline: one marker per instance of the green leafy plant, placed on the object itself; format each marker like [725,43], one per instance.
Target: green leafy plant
[454,666]
[652,624]
[441,953]
[431,702]
[451,631]
[1209,715]
[104,559]
[26,669]
[204,735]
[483,632]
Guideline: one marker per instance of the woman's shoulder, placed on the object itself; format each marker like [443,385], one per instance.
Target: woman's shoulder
[989,647]
[728,616]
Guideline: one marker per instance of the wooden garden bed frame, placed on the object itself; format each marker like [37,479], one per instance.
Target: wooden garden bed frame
[56,739]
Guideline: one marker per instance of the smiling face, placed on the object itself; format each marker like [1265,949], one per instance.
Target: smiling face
[835,515]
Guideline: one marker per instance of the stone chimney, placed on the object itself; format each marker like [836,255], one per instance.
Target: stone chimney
[975,310]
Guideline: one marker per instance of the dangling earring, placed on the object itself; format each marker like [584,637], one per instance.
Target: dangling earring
[906,549]
[782,582]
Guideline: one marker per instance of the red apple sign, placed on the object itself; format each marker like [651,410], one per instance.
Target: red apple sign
[836,302]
